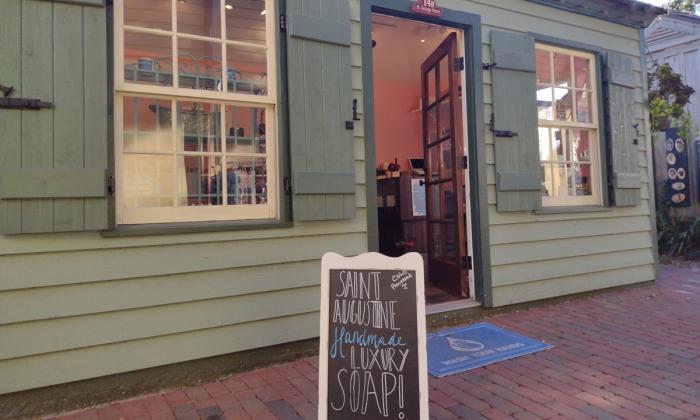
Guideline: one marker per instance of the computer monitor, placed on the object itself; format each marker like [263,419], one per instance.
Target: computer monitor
[417,164]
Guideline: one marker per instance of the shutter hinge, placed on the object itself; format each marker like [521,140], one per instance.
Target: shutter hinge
[458,64]
[287,185]
[110,185]
[466,262]
[24,103]
[500,133]
[283,23]
[488,66]
[465,162]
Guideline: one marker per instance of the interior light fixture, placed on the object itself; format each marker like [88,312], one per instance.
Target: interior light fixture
[228,6]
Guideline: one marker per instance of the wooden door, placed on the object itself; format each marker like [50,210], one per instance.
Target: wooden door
[444,179]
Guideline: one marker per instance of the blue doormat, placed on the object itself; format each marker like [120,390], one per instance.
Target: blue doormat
[458,349]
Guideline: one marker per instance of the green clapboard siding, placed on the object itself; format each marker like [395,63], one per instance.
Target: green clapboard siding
[515,109]
[320,101]
[621,83]
[53,161]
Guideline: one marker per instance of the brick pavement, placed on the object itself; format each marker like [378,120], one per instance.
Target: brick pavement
[628,354]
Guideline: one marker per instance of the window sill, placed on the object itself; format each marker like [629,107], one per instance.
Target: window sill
[572,209]
[193,227]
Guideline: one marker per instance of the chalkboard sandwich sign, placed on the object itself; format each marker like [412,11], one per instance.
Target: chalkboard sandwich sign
[372,361]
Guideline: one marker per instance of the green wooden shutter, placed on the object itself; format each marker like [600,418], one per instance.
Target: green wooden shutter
[620,81]
[53,161]
[320,101]
[518,173]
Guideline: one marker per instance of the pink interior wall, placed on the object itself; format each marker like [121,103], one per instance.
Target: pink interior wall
[398,131]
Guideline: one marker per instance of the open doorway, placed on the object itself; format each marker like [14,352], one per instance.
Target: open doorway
[422,185]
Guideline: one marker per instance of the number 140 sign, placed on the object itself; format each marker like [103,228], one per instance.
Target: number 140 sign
[426,7]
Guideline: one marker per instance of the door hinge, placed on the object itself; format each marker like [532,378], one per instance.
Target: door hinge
[283,23]
[24,103]
[467,262]
[458,64]
[465,162]
[500,133]
[287,185]
[110,185]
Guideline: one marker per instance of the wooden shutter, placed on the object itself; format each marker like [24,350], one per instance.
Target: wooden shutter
[53,161]
[320,102]
[518,173]
[620,82]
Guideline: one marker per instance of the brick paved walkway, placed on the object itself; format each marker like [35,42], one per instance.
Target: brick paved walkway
[630,354]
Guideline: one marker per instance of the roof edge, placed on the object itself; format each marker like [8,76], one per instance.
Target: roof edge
[632,13]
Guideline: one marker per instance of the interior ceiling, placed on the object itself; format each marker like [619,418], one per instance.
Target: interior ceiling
[402,46]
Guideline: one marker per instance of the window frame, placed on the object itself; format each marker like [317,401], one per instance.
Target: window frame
[595,126]
[269,211]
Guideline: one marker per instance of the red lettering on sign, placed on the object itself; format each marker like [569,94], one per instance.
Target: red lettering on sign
[426,7]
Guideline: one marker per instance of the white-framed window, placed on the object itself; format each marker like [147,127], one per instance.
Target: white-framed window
[195,105]
[567,107]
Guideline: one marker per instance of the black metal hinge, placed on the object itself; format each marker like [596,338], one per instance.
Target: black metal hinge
[287,185]
[500,133]
[465,162]
[24,103]
[110,185]
[458,64]
[283,23]
[488,66]
[467,262]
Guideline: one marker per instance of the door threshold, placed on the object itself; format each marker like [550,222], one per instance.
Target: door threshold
[437,308]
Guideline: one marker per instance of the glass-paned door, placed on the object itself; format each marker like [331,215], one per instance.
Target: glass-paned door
[444,181]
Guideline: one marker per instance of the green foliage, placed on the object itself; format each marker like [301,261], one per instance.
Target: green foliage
[678,237]
[687,6]
[668,97]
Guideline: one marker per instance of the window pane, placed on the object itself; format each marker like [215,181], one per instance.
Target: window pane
[581,145]
[431,86]
[431,118]
[445,118]
[564,104]
[245,21]
[246,70]
[582,72]
[147,125]
[198,126]
[148,59]
[545,145]
[245,130]
[199,64]
[436,235]
[448,196]
[246,180]
[434,162]
[559,143]
[583,106]
[199,181]
[562,70]
[544,69]
[434,192]
[545,101]
[148,181]
[581,182]
[547,186]
[148,14]
[559,181]
[199,17]
[443,67]
[446,159]
[451,243]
